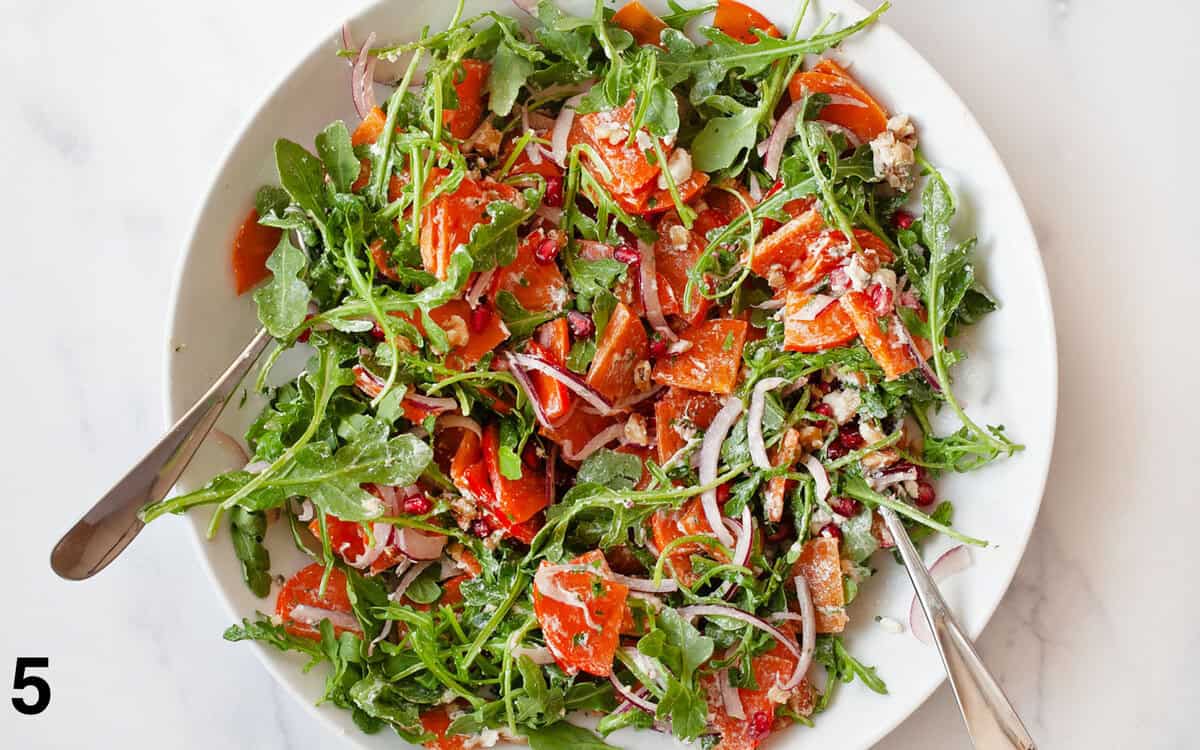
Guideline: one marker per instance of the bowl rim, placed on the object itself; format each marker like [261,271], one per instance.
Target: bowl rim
[1039,290]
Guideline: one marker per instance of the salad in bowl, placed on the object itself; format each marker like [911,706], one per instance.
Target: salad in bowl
[621,329]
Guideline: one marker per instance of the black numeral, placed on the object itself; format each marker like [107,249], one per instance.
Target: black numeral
[39,684]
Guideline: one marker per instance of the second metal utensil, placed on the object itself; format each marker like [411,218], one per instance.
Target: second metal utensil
[112,523]
[990,718]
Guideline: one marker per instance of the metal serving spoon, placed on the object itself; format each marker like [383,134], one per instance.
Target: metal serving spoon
[991,721]
[112,523]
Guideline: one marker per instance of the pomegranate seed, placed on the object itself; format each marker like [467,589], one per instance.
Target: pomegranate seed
[554,192]
[760,725]
[377,332]
[835,450]
[910,300]
[723,493]
[925,493]
[658,349]
[582,326]
[904,219]
[824,409]
[480,527]
[881,299]
[480,317]
[546,252]
[830,530]
[851,438]
[845,506]
[627,254]
[417,505]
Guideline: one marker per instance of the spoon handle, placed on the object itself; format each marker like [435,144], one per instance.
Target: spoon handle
[991,721]
[112,523]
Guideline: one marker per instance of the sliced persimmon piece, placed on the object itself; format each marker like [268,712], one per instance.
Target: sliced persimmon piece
[689,520]
[608,133]
[739,21]
[621,348]
[852,108]
[887,347]
[820,564]
[517,500]
[785,454]
[580,607]
[831,327]
[436,721]
[304,589]
[677,250]
[828,249]
[574,431]
[783,251]
[651,199]
[461,122]
[455,316]
[553,343]
[371,127]
[712,360]
[645,27]
[537,286]
[447,221]
[682,412]
[252,246]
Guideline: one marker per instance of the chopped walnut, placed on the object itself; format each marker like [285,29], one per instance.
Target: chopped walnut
[893,152]
[485,140]
[679,235]
[641,375]
[811,437]
[635,430]
[456,331]
[880,459]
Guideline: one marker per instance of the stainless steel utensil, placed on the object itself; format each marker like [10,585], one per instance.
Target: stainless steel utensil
[989,716]
[112,523]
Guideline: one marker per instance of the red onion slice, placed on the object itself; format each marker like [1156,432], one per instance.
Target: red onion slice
[530,392]
[633,697]
[407,579]
[730,696]
[529,6]
[930,376]
[808,633]
[306,511]
[347,38]
[848,134]
[306,615]
[562,129]
[230,444]
[666,586]
[741,551]
[819,475]
[883,481]
[601,439]
[953,561]
[779,137]
[434,404]
[383,534]
[717,610]
[756,192]
[650,299]
[419,545]
[451,421]
[814,307]
[710,458]
[567,378]
[637,398]
[362,79]
[482,282]
[754,418]
[537,654]
[383,633]
[551,214]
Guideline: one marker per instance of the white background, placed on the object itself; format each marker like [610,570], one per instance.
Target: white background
[114,116]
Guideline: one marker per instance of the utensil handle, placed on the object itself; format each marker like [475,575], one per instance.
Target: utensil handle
[112,523]
[990,718]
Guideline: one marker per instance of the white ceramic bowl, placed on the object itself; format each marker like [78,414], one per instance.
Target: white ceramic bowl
[1010,378]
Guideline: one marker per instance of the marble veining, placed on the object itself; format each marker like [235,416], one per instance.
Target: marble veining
[115,116]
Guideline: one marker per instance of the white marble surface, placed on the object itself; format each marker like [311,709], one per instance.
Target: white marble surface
[115,114]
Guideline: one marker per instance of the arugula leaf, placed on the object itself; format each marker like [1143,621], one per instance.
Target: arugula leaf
[679,16]
[495,243]
[592,278]
[301,175]
[510,70]
[617,471]
[333,146]
[723,139]
[520,321]
[265,631]
[271,200]
[283,301]
[580,356]
[333,482]
[247,530]
[564,736]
